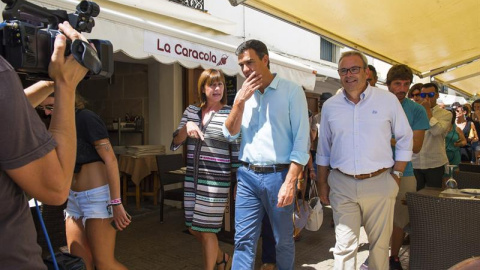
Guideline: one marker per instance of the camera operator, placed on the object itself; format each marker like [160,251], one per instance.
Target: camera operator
[33,160]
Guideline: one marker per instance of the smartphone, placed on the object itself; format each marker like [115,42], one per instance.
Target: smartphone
[115,225]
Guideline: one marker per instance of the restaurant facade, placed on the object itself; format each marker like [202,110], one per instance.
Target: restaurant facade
[160,49]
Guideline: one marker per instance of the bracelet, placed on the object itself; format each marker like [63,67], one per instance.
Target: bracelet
[116,201]
[301,180]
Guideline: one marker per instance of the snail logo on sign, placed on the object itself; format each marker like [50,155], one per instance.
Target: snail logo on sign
[222,60]
[183,50]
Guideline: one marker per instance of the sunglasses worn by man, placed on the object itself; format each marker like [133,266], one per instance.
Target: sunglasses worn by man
[424,95]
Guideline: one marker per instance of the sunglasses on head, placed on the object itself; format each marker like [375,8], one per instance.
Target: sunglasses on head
[430,95]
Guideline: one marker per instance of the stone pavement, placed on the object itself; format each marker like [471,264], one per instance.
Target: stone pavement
[149,244]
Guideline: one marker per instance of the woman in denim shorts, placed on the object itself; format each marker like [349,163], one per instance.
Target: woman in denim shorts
[94,199]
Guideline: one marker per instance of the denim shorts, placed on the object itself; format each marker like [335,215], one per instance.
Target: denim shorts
[87,204]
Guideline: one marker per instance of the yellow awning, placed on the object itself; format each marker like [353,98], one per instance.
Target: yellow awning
[464,77]
[428,36]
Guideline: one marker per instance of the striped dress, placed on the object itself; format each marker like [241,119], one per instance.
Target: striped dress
[210,169]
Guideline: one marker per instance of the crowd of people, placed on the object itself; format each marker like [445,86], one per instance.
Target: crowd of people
[366,149]
[373,148]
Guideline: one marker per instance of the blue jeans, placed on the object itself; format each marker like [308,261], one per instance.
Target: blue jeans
[268,242]
[257,195]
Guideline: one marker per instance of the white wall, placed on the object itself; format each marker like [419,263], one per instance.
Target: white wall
[281,36]
[165,103]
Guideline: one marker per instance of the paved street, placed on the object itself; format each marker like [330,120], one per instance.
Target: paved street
[149,244]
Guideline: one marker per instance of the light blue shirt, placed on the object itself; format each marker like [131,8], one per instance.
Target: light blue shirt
[275,127]
[355,138]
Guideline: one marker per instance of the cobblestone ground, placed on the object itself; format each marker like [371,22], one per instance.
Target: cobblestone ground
[149,244]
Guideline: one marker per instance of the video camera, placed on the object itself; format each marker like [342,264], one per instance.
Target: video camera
[28,34]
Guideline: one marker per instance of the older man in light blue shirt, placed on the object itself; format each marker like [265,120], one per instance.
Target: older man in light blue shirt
[271,115]
[355,141]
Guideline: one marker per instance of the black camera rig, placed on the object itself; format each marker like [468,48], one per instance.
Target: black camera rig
[28,33]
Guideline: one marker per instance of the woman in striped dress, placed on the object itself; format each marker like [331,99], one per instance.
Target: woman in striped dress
[211,162]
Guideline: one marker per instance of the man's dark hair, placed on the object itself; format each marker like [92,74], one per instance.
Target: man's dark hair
[259,47]
[399,72]
[428,85]
[475,102]
[374,71]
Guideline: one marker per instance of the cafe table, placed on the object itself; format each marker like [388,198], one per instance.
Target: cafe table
[447,193]
[139,168]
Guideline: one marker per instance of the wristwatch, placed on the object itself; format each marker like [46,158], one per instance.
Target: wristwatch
[399,174]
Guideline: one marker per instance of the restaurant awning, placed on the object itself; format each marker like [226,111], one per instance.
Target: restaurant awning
[172,33]
[429,36]
[464,77]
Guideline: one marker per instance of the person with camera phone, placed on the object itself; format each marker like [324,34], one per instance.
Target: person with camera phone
[33,160]
[94,209]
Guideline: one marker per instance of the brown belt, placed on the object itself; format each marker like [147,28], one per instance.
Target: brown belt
[366,175]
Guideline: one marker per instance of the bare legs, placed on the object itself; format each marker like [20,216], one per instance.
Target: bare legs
[211,251]
[95,243]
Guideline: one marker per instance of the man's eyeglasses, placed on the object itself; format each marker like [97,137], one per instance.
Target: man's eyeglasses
[46,107]
[430,95]
[353,70]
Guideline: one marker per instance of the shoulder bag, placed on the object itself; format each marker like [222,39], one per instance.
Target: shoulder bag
[315,219]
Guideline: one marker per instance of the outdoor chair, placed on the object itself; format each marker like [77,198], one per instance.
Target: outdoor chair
[444,231]
[166,164]
[467,167]
[54,222]
[467,179]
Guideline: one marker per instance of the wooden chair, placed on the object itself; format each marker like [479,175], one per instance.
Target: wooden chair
[165,164]
[467,179]
[444,231]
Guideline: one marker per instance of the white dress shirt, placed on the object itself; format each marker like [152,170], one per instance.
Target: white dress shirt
[433,152]
[355,138]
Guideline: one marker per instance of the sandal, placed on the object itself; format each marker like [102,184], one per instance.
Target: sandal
[228,264]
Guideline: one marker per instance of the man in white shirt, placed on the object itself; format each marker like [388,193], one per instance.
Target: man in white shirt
[429,163]
[354,141]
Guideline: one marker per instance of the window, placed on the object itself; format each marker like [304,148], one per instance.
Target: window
[196,4]
[328,50]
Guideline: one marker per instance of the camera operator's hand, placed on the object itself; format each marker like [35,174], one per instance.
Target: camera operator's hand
[66,70]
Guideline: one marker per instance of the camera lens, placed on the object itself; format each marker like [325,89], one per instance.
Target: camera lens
[88,8]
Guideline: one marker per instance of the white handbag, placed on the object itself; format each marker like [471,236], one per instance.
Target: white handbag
[315,219]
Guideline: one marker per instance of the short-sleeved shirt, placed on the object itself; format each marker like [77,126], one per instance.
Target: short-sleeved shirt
[90,128]
[418,120]
[23,139]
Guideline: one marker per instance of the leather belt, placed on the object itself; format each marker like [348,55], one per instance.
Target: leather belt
[265,168]
[366,175]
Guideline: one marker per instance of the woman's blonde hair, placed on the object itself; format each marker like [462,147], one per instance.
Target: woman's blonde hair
[208,77]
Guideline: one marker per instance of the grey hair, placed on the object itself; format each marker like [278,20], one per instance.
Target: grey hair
[352,53]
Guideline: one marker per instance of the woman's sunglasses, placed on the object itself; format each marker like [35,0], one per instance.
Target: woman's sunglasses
[46,107]
[430,95]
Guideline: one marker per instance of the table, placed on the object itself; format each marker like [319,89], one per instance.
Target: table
[439,192]
[139,168]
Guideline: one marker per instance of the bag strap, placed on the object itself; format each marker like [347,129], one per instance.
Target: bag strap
[44,229]
[313,188]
